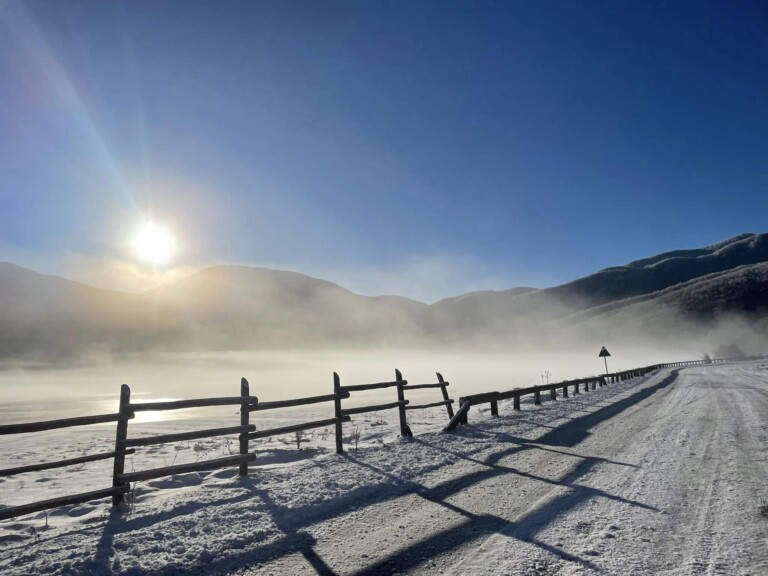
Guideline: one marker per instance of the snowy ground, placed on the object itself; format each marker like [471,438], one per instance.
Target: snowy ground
[661,475]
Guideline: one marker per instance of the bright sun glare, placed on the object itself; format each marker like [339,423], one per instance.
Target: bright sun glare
[153,244]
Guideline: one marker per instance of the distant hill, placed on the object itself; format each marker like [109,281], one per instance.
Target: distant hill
[50,318]
[220,308]
[501,312]
[232,306]
[659,272]
[46,318]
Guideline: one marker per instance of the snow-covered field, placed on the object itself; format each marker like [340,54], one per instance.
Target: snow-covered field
[660,475]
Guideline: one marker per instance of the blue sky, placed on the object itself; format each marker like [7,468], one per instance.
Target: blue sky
[420,148]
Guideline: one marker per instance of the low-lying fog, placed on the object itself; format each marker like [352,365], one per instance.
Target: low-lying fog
[49,393]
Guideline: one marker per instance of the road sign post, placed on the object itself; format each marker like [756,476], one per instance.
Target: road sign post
[604,355]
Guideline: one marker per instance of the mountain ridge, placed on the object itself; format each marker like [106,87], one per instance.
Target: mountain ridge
[227,307]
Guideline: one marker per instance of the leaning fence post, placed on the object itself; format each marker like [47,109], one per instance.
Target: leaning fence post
[121,436]
[337,411]
[404,430]
[444,388]
[244,417]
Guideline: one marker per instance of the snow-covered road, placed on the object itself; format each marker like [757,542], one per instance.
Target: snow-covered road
[669,477]
[672,484]
[662,475]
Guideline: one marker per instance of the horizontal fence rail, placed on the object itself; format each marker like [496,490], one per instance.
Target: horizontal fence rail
[14,511]
[297,402]
[361,387]
[61,463]
[297,427]
[214,464]
[430,405]
[56,424]
[246,431]
[375,408]
[182,436]
[195,403]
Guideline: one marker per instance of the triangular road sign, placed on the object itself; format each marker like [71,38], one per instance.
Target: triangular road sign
[603,353]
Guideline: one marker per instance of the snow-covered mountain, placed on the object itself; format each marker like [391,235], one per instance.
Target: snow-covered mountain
[237,307]
[649,277]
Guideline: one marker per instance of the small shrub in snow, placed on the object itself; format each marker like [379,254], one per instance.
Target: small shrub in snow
[300,437]
[354,436]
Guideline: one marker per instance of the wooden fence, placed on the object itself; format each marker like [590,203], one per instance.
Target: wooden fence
[493,398]
[246,430]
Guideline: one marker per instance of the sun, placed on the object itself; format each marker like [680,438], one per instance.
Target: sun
[153,244]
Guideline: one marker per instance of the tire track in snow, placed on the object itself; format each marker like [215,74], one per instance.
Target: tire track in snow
[748,459]
[700,557]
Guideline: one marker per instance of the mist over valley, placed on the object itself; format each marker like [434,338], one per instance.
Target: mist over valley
[287,332]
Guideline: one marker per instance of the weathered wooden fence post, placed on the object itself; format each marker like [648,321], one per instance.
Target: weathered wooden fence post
[565,390]
[537,396]
[121,436]
[337,411]
[494,407]
[553,394]
[516,402]
[244,417]
[444,388]
[404,430]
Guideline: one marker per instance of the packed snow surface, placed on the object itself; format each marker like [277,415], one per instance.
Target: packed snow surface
[658,475]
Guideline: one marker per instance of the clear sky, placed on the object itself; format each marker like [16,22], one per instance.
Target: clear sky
[411,147]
